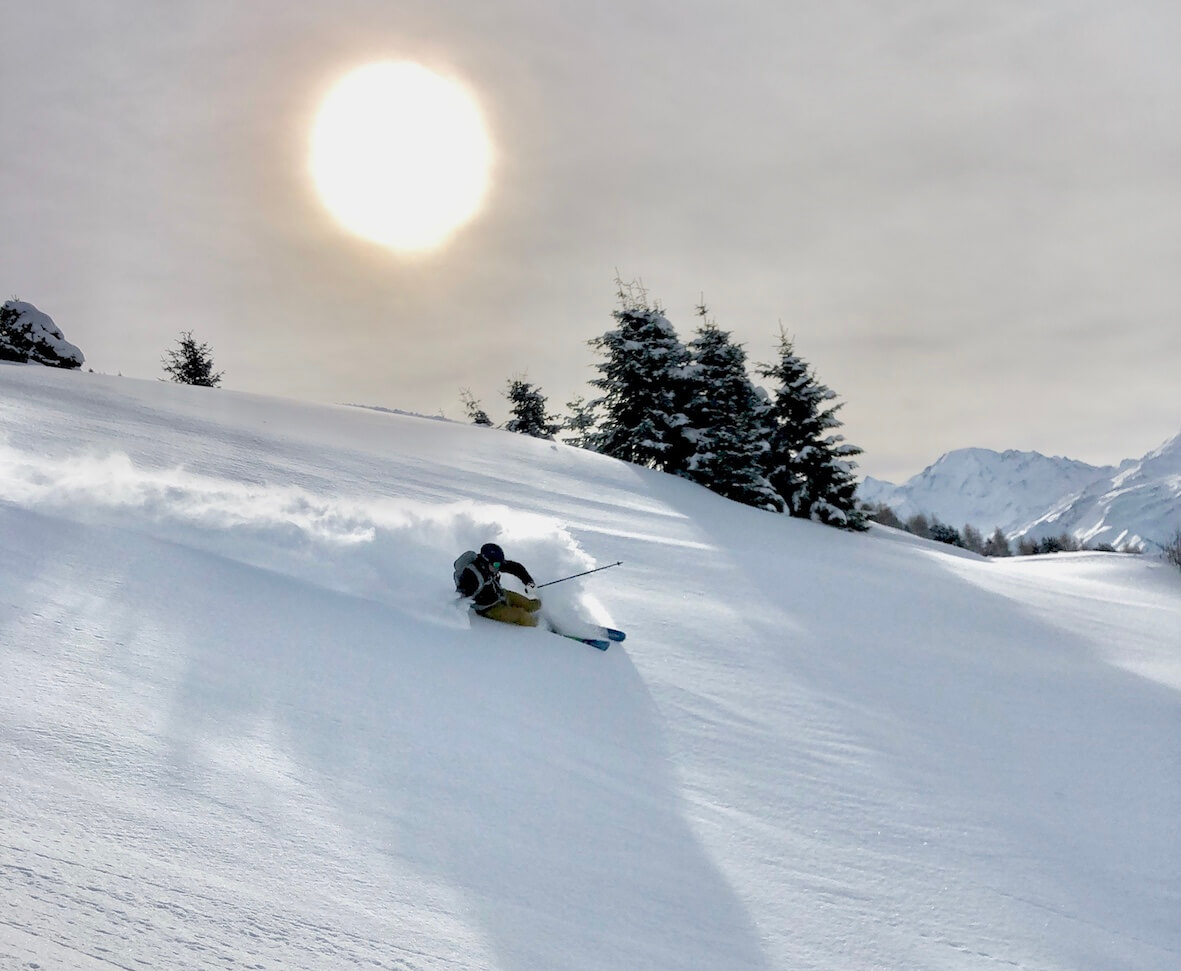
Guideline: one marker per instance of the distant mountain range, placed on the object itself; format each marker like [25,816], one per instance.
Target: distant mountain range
[1030,495]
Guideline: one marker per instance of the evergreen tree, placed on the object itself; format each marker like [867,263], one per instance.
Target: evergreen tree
[943,533]
[474,410]
[191,363]
[808,464]
[15,343]
[29,336]
[724,420]
[528,410]
[643,388]
[580,423]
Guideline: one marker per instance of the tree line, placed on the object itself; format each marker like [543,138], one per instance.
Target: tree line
[692,410]
[970,538]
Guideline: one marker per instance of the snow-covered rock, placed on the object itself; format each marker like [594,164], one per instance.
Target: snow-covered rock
[33,336]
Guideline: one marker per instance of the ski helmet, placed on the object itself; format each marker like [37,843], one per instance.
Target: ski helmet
[492,553]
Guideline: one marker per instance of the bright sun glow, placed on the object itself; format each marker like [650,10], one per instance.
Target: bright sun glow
[400,155]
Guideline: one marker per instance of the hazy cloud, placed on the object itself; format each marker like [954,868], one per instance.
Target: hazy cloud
[969,213]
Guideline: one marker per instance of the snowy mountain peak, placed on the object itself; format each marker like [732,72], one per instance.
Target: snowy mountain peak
[1168,454]
[986,488]
[1027,494]
[1138,506]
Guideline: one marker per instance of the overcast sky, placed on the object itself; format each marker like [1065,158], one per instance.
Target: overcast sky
[968,215]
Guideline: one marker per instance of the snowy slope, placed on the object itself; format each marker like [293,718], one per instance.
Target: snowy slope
[1139,506]
[986,489]
[244,724]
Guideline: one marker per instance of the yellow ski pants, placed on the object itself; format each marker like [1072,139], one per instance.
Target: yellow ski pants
[518,610]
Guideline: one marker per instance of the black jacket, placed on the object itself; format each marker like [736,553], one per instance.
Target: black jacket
[491,593]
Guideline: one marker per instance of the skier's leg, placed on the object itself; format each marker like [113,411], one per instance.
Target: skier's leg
[515,599]
[509,614]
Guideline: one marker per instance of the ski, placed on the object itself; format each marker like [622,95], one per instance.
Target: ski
[612,634]
[592,641]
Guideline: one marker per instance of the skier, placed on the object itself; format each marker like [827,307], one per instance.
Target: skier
[477,577]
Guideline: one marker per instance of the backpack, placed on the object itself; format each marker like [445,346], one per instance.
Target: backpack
[471,574]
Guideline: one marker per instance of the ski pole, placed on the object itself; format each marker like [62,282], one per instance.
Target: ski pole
[582,574]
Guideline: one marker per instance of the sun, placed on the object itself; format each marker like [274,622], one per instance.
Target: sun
[400,155]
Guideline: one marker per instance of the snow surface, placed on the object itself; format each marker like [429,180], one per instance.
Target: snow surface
[244,724]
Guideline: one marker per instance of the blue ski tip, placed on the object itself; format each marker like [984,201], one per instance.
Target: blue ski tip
[593,642]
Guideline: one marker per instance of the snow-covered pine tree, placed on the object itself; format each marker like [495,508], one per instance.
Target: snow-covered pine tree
[191,363]
[829,467]
[725,423]
[806,463]
[528,410]
[642,382]
[15,343]
[27,335]
[580,423]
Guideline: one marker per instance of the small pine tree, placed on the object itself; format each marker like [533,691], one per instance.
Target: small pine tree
[580,423]
[806,464]
[643,387]
[191,363]
[528,410]
[724,420]
[473,409]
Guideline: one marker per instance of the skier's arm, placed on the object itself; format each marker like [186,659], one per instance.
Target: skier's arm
[517,570]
